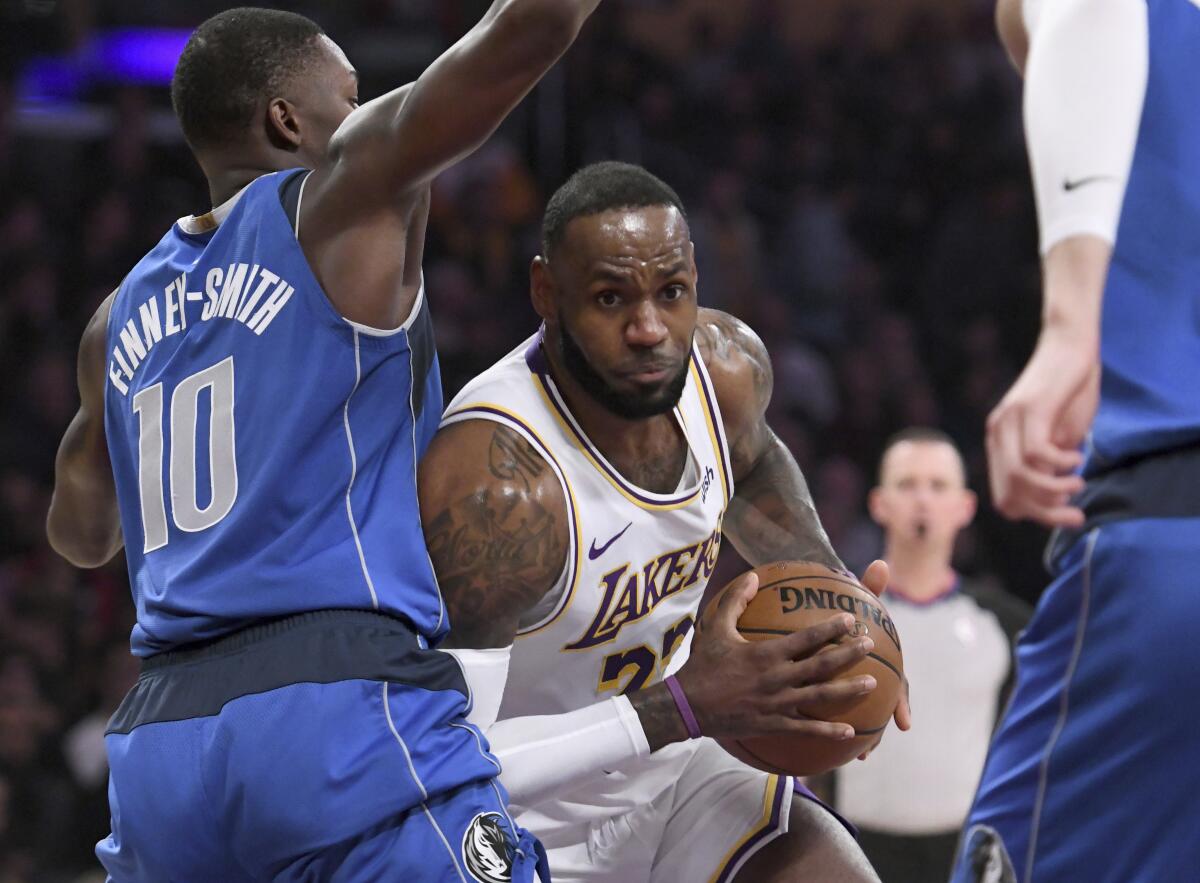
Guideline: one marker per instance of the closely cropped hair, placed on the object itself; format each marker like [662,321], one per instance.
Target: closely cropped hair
[918,434]
[599,188]
[232,63]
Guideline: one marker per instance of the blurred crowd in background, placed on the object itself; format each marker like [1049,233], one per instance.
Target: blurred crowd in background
[857,192]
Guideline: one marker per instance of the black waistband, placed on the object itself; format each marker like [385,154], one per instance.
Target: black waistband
[1164,485]
[321,647]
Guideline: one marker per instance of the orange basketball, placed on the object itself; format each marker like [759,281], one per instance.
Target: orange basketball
[793,595]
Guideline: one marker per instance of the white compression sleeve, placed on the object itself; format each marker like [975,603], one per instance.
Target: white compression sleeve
[1085,82]
[540,756]
[543,754]
[486,672]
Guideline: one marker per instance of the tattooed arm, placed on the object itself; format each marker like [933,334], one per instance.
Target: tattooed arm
[495,522]
[771,516]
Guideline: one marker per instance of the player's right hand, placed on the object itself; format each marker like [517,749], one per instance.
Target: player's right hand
[740,689]
[1033,435]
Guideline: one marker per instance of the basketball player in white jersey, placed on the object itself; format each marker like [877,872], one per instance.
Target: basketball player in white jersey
[574,503]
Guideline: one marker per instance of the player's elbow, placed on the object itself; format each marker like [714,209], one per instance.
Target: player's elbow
[86,555]
[81,554]
[85,548]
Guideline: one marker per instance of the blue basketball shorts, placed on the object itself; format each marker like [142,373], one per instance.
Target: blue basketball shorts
[1094,772]
[329,746]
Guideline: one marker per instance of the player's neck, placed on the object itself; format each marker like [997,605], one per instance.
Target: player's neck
[618,439]
[224,185]
[228,174]
[919,574]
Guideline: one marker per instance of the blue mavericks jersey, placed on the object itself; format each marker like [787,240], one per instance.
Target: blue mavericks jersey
[1150,331]
[264,447]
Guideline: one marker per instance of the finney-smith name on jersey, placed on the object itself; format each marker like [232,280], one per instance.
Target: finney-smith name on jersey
[232,293]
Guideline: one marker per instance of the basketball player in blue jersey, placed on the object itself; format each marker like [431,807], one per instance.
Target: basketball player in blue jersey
[574,504]
[1092,774]
[255,397]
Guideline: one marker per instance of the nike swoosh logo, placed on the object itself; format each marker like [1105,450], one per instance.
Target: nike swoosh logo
[594,553]
[1070,185]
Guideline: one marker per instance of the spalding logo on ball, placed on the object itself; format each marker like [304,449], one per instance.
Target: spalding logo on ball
[793,598]
[793,595]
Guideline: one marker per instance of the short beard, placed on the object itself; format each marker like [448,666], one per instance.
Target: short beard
[628,406]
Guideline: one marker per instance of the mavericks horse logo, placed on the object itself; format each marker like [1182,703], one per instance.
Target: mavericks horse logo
[487,852]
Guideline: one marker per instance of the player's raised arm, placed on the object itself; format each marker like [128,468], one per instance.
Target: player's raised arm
[83,524]
[396,144]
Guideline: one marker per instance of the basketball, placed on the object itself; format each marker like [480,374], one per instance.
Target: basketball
[793,595]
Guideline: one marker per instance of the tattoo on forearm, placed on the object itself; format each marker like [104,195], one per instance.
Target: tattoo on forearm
[772,516]
[659,717]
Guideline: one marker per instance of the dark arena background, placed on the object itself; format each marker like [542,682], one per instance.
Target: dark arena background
[858,193]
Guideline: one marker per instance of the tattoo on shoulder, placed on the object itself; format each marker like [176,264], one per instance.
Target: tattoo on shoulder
[512,458]
[729,343]
[771,515]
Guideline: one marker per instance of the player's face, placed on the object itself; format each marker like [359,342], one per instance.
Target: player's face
[323,98]
[921,497]
[626,307]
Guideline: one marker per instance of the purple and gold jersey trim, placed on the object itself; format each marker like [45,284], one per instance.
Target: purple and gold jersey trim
[500,414]
[799,789]
[776,792]
[708,400]
[636,495]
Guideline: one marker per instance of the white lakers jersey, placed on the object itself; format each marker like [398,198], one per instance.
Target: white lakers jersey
[637,562]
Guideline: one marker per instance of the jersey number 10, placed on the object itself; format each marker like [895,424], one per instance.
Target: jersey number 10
[222,471]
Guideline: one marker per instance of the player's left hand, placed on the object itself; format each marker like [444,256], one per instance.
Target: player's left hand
[875,579]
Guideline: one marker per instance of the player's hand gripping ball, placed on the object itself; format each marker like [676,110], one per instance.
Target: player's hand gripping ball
[793,595]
